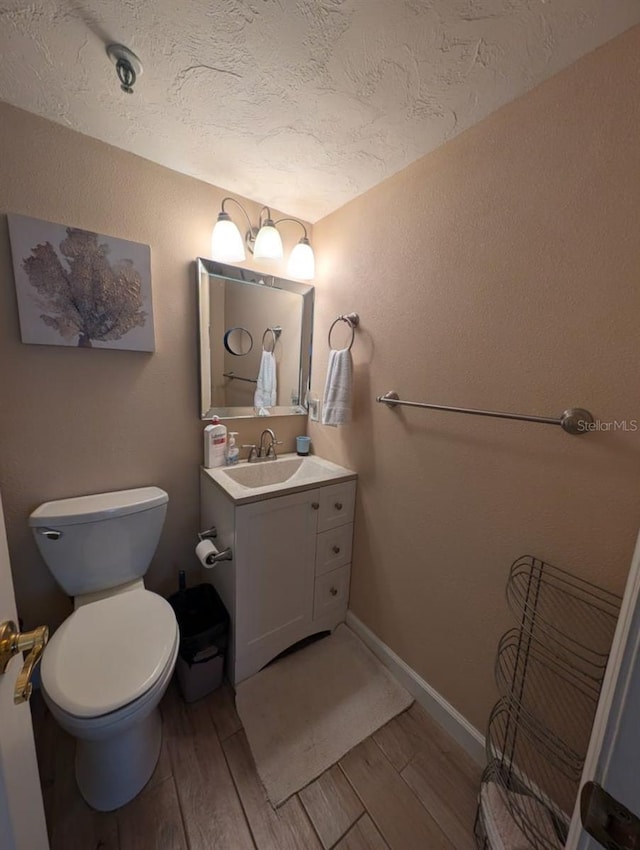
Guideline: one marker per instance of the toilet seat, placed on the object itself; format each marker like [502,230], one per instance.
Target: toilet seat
[108,653]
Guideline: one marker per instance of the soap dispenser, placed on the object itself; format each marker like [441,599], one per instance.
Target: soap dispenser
[233,452]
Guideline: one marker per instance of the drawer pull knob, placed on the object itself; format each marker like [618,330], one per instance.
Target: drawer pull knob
[336,549]
[315,505]
[334,591]
[338,506]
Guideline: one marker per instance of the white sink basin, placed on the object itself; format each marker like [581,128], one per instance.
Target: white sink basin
[265,473]
[248,482]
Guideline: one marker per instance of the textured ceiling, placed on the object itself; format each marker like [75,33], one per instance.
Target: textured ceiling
[300,104]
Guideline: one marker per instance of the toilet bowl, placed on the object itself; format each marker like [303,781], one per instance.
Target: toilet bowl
[103,674]
[107,666]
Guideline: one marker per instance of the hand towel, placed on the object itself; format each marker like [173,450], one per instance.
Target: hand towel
[336,408]
[267,387]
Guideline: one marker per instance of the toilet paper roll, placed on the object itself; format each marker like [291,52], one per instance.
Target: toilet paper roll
[206,552]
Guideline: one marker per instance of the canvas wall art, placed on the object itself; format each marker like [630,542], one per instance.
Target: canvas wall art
[80,288]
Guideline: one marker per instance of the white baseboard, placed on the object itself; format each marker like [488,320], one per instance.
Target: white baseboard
[434,703]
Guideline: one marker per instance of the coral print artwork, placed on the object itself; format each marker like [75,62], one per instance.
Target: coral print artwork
[80,288]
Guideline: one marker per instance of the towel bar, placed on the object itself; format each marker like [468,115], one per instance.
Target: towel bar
[574,420]
[233,377]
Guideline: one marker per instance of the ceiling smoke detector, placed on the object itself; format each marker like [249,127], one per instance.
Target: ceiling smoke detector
[128,66]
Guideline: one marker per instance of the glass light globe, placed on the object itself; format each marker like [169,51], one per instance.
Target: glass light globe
[302,264]
[226,241]
[268,244]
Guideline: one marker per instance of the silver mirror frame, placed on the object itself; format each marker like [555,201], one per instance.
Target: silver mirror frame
[204,270]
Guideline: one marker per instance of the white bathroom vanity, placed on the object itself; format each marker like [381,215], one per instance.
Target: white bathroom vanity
[289,524]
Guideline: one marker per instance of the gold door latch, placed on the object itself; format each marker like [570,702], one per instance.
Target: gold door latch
[11,643]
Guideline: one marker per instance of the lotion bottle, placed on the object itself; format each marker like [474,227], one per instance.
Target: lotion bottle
[215,444]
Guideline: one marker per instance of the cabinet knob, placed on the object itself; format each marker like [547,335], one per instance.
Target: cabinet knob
[333,591]
[338,506]
[315,505]
[336,549]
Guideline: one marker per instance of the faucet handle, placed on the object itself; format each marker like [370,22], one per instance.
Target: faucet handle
[253,453]
[271,451]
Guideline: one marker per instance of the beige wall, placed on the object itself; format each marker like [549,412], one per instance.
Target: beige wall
[501,272]
[75,421]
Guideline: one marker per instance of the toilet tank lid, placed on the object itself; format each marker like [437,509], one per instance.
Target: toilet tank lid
[98,507]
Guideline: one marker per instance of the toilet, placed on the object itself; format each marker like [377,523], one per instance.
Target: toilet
[107,666]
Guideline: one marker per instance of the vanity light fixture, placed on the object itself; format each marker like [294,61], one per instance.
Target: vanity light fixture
[302,263]
[226,241]
[268,243]
[263,241]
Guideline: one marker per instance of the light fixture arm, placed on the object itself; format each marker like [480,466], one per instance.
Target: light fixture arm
[269,218]
[297,221]
[252,232]
[237,203]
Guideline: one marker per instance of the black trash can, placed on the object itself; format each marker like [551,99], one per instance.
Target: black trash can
[204,634]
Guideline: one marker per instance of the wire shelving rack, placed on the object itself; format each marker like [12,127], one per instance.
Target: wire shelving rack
[549,673]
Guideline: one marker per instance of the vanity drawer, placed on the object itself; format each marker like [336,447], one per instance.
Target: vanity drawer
[336,505]
[331,592]
[333,548]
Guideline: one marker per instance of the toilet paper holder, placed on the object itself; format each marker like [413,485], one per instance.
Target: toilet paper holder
[224,555]
[216,556]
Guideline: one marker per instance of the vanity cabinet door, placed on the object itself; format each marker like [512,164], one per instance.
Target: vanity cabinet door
[275,565]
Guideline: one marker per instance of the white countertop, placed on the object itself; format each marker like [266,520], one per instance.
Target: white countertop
[299,473]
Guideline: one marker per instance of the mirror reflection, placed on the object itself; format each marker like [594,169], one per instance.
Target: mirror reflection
[255,342]
[238,341]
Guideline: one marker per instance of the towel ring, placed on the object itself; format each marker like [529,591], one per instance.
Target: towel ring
[351,319]
[275,334]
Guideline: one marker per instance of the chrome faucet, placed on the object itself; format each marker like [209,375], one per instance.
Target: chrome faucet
[267,448]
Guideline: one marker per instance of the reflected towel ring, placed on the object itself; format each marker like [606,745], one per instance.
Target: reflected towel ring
[275,334]
[351,319]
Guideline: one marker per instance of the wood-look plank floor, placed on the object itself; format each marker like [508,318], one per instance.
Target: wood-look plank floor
[407,787]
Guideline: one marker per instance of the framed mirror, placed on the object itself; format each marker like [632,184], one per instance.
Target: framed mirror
[255,342]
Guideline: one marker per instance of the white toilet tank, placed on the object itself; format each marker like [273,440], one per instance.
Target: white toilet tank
[93,543]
